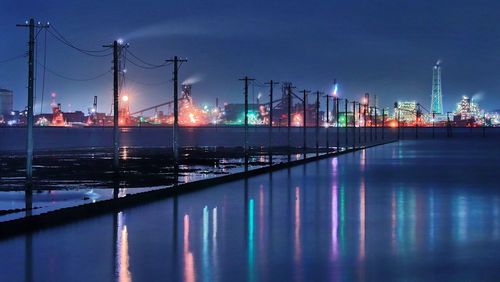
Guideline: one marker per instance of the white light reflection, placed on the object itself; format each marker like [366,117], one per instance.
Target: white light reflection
[334,221]
[362,223]
[123,271]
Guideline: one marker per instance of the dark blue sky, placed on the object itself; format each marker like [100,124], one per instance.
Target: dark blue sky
[386,48]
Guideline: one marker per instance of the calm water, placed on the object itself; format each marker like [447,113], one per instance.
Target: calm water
[407,212]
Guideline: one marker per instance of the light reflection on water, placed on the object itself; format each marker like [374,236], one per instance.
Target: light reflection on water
[189,267]
[332,220]
[122,256]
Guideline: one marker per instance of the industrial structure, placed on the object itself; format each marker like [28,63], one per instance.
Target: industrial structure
[6,102]
[437,91]
[405,112]
[468,113]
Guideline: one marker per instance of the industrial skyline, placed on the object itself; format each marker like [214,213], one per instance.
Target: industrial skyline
[322,45]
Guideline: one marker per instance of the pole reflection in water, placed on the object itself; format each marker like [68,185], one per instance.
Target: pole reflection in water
[28,258]
[28,241]
[189,272]
[28,201]
[400,207]
[122,256]
[262,224]
[297,243]
[334,221]
[393,222]
[362,220]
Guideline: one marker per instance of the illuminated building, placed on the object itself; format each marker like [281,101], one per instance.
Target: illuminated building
[57,115]
[405,111]
[6,102]
[235,114]
[467,109]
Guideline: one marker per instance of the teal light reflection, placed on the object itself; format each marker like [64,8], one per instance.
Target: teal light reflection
[251,246]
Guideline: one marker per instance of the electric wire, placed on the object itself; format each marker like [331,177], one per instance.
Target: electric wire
[148,83]
[142,66]
[73,46]
[72,78]
[92,53]
[13,58]
[144,62]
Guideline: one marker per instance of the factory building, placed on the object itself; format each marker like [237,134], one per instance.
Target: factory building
[6,102]
[406,111]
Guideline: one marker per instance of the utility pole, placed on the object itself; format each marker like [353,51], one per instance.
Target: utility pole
[117,50]
[359,124]
[375,108]
[246,80]
[288,88]
[346,125]
[327,122]
[396,115]
[353,125]
[304,120]
[175,136]
[367,108]
[337,107]
[371,123]
[317,122]
[383,123]
[31,83]
[271,84]
[116,131]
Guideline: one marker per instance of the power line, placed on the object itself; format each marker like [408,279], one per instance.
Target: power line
[93,53]
[148,83]
[13,58]
[144,62]
[144,67]
[72,78]
[80,49]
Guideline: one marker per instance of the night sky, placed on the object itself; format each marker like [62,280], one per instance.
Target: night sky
[386,48]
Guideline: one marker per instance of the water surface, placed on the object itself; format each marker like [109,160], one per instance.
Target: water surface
[413,211]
